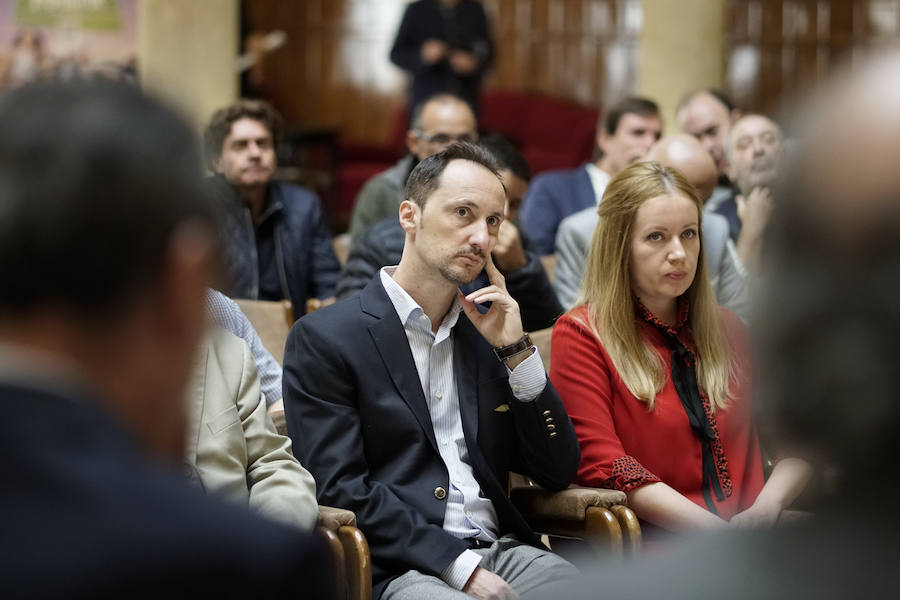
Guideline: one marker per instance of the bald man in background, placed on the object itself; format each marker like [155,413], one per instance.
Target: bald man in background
[727,276]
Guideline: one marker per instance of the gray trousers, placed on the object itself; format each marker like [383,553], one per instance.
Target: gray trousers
[525,568]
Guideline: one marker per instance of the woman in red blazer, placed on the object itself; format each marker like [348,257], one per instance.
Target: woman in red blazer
[655,375]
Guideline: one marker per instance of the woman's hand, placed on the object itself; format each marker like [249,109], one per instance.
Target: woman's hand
[762,514]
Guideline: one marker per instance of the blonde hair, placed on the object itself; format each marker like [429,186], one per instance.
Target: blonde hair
[607,291]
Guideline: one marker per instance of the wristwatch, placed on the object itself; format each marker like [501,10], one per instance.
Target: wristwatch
[504,352]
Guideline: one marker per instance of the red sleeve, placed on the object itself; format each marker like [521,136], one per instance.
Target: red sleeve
[582,374]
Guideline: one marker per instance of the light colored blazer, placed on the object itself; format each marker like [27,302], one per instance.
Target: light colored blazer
[727,275]
[233,448]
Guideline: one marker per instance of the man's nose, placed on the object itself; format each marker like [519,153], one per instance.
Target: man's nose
[479,236]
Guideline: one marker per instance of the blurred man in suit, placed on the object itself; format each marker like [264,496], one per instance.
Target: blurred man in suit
[105,255]
[625,134]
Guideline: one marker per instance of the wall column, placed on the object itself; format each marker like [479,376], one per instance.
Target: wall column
[186,53]
[681,48]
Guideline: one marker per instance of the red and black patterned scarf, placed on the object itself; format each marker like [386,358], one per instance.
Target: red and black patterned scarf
[684,377]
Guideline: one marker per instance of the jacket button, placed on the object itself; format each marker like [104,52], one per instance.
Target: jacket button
[547,413]
[552,434]
[440,493]
[551,427]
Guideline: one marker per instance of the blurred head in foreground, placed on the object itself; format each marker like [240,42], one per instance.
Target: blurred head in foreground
[831,314]
[105,246]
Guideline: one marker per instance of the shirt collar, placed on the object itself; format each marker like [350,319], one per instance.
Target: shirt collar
[408,309]
[599,179]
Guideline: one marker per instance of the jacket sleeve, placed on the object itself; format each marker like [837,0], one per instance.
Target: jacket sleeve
[320,397]
[732,289]
[551,460]
[279,486]
[366,257]
[377,200]
[583,377]
[570,262]
[407,48]
[324,263]
[540,215]
[531,288]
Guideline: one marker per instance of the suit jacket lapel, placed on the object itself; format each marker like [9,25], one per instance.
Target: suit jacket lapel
[466,371]
[393,346]
[196,397]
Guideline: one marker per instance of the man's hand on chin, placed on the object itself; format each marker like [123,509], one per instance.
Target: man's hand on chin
[488,586]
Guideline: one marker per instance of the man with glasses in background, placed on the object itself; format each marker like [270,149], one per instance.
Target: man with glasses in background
[436,123]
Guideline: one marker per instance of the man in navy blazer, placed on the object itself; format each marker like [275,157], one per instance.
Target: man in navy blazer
[105,255]
[411,406]
[626,134]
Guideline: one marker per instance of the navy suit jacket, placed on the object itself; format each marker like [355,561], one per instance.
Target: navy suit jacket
[360,423]
[552,197]
[86,516]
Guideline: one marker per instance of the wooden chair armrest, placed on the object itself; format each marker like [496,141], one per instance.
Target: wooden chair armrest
[338,561]
[569,504]
[358,562]
[333,519]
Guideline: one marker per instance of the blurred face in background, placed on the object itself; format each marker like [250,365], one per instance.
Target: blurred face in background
[444,121]
[708,120]
[516,187]
[754,150]
[248,154]
[632,139]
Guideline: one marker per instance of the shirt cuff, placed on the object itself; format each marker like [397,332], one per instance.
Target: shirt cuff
[528,379]
[458,572]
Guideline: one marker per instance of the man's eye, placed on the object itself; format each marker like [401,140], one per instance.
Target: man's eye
[440,138]
[462,211]
[493,221]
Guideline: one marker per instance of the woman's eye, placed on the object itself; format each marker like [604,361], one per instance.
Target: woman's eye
[655,236]
[689,234]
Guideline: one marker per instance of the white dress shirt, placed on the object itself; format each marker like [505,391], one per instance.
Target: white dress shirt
[599,180]
[468,514]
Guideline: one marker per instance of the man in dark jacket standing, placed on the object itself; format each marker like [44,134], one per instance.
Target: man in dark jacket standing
[445,45]
[276,242]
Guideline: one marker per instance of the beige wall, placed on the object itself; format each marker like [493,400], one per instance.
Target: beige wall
[187,50]
[681,48]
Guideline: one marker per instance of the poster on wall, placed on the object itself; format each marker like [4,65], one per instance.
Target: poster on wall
[67,39]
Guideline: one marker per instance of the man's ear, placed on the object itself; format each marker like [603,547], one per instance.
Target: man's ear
[409,216]
[412,143]
[603,140]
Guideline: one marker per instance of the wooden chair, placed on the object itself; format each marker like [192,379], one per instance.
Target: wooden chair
[352,561]
[350,552]
[272,321]
[599,517]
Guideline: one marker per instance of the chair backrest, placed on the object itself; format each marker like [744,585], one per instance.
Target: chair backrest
[272,321]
